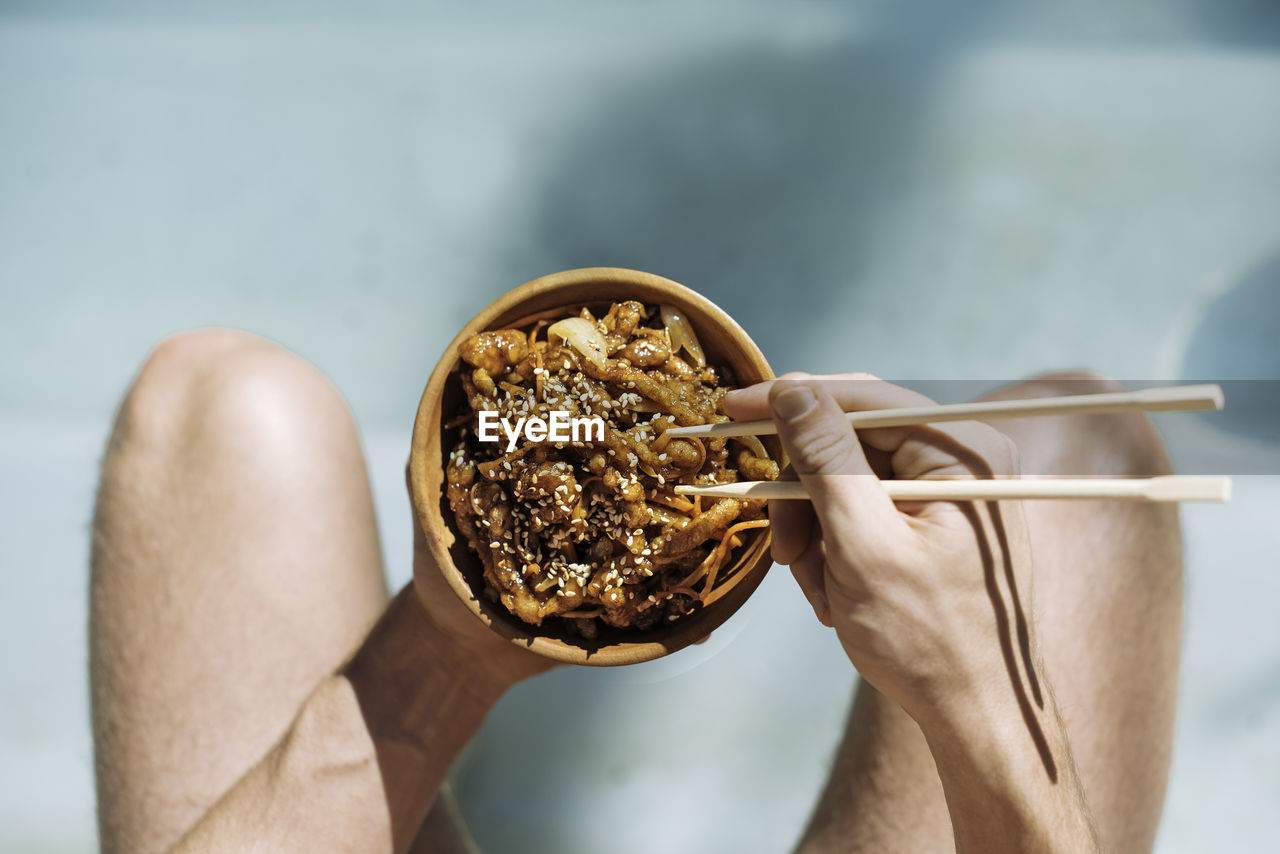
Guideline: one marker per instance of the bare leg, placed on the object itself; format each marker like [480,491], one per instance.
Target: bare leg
[1108,605]
[235,563]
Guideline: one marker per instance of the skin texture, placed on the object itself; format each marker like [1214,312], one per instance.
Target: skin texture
[1105,594]
[255,687]
[235,570]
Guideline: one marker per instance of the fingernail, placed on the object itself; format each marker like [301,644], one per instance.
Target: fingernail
[734,393]
[794,403]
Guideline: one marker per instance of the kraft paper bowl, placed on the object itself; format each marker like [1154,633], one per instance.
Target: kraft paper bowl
[725,344]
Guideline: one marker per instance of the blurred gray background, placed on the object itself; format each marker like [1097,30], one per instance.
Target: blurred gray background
[928,191]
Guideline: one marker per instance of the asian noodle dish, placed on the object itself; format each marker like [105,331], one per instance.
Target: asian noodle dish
[590,529]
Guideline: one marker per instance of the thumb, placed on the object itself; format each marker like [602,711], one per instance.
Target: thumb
[825,453]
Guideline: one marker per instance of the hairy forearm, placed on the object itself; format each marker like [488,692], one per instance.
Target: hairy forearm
[1008,775]
[363,759]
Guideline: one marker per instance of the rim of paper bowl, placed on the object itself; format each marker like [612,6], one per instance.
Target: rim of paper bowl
[717,332]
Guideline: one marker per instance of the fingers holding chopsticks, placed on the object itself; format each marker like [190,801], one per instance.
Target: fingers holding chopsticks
[906,594]
[796,531]
[827,458]
[752,403]
[791,523]
[957,447]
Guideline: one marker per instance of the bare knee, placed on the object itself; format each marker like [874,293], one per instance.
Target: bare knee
[1108,599]
[1115,444]
[222,385]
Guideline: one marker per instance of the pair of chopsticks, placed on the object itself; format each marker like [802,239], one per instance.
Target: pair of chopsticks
[1164,488]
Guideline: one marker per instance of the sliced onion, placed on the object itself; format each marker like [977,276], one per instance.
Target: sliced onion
[584,336]
[682,335]
[752,444]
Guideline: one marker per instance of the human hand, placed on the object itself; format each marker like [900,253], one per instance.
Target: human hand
[925,597]
[479,653]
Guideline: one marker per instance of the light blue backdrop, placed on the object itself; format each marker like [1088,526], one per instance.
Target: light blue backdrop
[948,190]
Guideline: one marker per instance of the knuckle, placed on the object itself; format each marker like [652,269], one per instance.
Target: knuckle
[1009,454]
[825,452]
[999,450]
[786,382]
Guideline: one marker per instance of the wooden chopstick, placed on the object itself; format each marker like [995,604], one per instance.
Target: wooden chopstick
[1163,488]
[1173,398]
